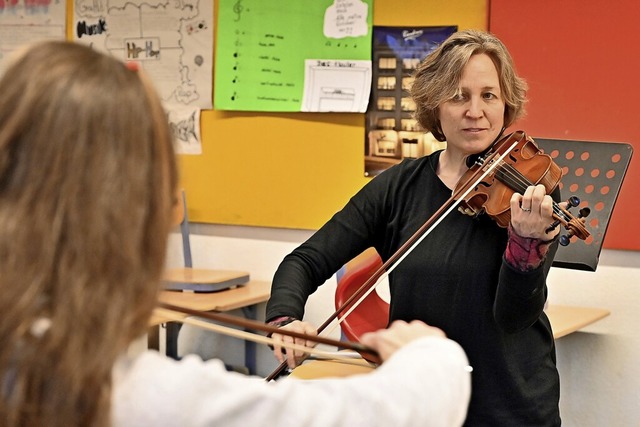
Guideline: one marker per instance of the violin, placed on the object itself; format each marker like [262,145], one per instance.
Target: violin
[511,164]
[524,165]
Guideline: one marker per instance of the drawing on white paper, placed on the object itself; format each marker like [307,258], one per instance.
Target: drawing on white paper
[185,126]
[172,41]
[336,86]
[23,22]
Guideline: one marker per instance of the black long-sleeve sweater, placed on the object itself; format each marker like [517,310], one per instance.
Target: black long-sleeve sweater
[456,279]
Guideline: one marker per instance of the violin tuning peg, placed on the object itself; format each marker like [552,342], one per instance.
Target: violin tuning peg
[573,201]
[584,212]
[564,240]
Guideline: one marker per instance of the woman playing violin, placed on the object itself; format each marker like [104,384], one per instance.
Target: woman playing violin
[484,285]
[88,180]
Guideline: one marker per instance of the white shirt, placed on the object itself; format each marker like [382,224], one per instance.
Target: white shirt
[425,383]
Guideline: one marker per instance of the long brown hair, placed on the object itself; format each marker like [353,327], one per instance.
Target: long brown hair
[87,182]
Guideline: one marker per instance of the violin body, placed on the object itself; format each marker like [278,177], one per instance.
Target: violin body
[515,163]
[492,195]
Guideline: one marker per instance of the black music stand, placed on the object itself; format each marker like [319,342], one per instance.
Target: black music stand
[593,172]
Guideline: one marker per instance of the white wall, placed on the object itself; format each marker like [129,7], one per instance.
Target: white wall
[599,366]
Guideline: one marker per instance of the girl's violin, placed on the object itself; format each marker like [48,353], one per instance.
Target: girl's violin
[524,165]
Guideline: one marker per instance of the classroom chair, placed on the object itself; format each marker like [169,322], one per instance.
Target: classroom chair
[373,313]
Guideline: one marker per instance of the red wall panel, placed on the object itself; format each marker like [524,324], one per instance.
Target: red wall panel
[582,62]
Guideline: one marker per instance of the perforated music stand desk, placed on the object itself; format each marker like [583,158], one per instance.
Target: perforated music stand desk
[592,171]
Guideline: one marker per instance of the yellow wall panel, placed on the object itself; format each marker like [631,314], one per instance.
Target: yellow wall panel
[296,170]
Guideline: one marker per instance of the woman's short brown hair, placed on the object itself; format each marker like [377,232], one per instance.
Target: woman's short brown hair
[438,76]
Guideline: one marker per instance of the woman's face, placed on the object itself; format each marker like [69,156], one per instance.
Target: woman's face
[474,117]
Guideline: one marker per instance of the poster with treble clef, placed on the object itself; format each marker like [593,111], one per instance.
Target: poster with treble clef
[293,55]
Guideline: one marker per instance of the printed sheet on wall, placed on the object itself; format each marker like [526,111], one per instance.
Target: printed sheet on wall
[171,41]
[391,132]
[293,55]
[23,22]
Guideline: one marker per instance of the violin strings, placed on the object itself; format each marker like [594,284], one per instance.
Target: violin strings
[519,183]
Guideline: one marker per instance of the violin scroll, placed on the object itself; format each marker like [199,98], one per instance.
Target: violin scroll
[574,225]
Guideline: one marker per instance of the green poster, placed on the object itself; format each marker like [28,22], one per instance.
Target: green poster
[265,48]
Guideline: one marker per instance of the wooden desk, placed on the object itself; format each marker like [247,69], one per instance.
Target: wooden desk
[203,280]
[567,319]
[331,368]
[243,297]
[253,292]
